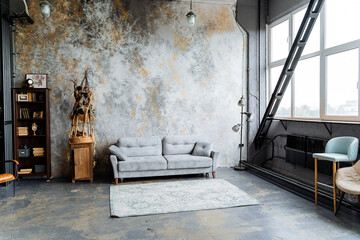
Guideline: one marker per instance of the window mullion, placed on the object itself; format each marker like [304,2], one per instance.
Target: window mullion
[358,86]
[292,85]
[322,64]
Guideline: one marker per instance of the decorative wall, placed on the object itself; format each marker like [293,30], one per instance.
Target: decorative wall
[151,74]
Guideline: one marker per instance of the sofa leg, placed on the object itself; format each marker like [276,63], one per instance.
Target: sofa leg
[207,175]
[214,176]
[116,181]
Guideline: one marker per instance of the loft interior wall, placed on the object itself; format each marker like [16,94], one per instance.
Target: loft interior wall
[151,74]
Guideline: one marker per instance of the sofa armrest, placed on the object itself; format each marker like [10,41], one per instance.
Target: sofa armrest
[114,163]
[214,156]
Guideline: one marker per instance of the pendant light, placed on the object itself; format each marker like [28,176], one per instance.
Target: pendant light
[190,17]
[45,9]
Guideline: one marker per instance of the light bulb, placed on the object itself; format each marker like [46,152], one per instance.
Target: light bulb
[190,18]
[45,9]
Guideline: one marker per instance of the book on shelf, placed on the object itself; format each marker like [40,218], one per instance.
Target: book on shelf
[34,97]
[25,171]
[38,149]
[38,152]
[24,113]
[23,131]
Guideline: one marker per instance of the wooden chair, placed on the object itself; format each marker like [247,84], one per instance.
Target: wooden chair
[8,177]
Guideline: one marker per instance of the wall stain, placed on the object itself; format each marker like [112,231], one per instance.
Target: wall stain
[181,42]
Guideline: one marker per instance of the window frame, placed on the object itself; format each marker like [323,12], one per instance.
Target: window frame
[322,53]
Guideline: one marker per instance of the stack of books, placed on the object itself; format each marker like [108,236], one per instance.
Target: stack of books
[38,152]
[25,171]
[23,131]
[24,113]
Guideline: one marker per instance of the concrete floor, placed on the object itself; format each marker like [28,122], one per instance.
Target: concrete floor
[62,210]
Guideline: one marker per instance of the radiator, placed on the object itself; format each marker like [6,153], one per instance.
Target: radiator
[299,150]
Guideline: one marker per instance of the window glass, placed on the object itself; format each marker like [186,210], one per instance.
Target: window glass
[342,21]
[279,41]
[307,88]
[285,105]
[313,43]
[342,74]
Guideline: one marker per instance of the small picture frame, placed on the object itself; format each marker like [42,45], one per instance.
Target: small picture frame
[22,97]
[40,80]
[38,114]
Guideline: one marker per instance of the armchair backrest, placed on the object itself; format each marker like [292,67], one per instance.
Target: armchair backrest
[343,145]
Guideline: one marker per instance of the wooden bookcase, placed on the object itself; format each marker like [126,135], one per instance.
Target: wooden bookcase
[31,105]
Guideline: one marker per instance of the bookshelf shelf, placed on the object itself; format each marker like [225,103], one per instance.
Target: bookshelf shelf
[31,119]
[30,158]
[32,136]
[29,115]
[30,102]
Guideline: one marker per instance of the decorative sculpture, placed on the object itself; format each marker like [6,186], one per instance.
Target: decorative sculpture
[82,114]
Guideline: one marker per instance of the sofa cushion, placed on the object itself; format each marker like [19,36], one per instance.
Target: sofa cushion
[187,161]
[144,146]
[142,164]
[202,149]
[179,144]
[117,152]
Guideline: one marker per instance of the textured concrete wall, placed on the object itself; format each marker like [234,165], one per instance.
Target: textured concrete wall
[151,74]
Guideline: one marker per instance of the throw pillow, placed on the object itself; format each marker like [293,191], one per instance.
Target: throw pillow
[202,149]
[117,152]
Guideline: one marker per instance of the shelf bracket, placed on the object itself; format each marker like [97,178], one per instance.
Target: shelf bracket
[328,128]
[284,124]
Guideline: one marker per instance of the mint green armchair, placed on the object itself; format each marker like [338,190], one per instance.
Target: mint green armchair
[339,149]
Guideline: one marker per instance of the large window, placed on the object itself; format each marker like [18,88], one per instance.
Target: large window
[325,84]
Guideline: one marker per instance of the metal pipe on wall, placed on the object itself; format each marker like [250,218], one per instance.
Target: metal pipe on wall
[13,54]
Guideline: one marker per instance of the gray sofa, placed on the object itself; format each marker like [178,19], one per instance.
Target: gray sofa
[153,156]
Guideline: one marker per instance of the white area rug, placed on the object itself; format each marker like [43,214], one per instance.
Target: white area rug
[179,196]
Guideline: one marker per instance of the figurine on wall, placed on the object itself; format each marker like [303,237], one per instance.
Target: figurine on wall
[82,114]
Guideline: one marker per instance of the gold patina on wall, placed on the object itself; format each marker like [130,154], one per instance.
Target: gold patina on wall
[151,73]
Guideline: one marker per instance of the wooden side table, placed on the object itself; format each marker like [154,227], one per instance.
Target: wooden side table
[82,157]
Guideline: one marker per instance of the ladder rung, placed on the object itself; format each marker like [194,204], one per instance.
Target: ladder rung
[301,43]
[289,72]
[314,15]
[279,95]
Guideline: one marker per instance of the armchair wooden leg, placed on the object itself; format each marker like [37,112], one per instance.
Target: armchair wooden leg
[213,173]
[315,170]
[334,185]
[116,181]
